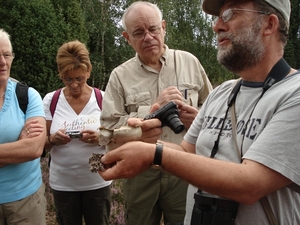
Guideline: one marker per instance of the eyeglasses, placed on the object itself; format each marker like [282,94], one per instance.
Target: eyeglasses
[8,56]
[228,14]
[153,31]
[77,80]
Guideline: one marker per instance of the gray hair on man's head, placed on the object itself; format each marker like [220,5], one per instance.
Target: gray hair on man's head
[6,36]
[134,5]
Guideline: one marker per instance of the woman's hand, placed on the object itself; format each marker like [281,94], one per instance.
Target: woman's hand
[90,136]
[31,129]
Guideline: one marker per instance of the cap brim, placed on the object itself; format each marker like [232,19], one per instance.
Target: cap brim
[212,7]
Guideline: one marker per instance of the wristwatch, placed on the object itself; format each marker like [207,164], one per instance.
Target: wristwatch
[157,156]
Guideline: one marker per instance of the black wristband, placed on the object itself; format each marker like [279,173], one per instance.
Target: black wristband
[157,161]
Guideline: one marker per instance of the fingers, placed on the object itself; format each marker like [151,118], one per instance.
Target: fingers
[154,107]
[90,136]
[127,161]
[169,94]
[133,122]
[31,129]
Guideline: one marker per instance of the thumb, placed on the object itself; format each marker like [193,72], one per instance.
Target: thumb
[154,107]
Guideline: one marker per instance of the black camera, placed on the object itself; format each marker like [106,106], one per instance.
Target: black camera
[168,116]
[209,210]
[74,134]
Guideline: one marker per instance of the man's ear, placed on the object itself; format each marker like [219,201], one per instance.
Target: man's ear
[272,25]
[126,36]
[164,25]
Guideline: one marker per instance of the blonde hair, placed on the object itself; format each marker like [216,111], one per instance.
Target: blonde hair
[71,56]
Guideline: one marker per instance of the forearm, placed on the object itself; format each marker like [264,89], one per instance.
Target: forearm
[246,182]
[22,150]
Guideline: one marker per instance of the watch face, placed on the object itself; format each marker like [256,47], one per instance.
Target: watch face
[154,166]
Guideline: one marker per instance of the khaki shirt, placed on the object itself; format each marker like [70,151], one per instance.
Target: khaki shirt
[133,87]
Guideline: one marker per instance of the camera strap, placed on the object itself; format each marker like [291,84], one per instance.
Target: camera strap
[278,72]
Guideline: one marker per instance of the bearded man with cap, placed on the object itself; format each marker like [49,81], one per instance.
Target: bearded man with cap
[246,170]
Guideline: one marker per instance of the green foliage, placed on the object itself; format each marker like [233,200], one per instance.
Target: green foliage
[39,27]
[106,43]
[293,46]
[188,28]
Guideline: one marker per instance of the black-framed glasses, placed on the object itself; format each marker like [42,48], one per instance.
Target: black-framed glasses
[8,55]
[140,34]
[228,14]
[77,80]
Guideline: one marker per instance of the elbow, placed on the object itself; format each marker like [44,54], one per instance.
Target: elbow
[248,198]
[38,152]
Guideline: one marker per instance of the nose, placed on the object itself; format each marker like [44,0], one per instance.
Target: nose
[74,84]
[2,59]
[147,35]
[217,25]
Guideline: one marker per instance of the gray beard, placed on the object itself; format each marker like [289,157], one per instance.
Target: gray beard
[246,49]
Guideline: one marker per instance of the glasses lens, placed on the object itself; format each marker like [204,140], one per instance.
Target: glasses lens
[227,15]
[71,80]
[8,56]
[141,34]
[154,31]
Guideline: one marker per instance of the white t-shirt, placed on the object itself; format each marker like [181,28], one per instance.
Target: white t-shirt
[70,169]
[272,138]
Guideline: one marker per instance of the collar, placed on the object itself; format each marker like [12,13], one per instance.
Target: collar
[163,59]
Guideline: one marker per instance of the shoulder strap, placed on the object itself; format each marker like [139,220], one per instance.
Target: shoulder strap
[98,97]
[22,95]
[54,101]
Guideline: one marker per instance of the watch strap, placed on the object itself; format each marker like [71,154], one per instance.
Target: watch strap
[157,161]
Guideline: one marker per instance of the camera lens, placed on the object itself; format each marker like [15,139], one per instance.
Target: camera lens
[174,123]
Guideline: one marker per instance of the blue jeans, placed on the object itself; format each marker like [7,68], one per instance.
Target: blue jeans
[72,206]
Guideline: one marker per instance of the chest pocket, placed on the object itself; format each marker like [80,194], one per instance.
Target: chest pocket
[190,93]
[133,102]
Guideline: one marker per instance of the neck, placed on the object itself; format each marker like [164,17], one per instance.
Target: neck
[260,72]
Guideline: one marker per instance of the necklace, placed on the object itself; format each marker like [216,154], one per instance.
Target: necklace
[2,94]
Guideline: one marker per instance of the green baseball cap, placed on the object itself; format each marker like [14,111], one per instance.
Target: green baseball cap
[213,7]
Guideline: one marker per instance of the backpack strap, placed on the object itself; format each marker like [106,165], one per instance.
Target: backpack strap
[56,94]
[22,95]
[54,101]
[98,97]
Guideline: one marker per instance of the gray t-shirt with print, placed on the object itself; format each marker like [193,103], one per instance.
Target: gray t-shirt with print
[271,137]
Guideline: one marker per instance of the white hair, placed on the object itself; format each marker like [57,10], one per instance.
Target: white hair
[134,5]
[4,35]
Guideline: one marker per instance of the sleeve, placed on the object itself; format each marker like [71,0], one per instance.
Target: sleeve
[113,113]
[206,88]
[46,103]
[35,104]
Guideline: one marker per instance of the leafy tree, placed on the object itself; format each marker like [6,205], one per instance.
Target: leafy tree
[37,30]
[106,43]
[293,46]
[73,18]
[189,28]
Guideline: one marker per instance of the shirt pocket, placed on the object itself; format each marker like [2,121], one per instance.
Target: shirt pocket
[190,93]
[134,101]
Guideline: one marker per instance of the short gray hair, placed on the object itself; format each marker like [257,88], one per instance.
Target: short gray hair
[5,35]
[134,5]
